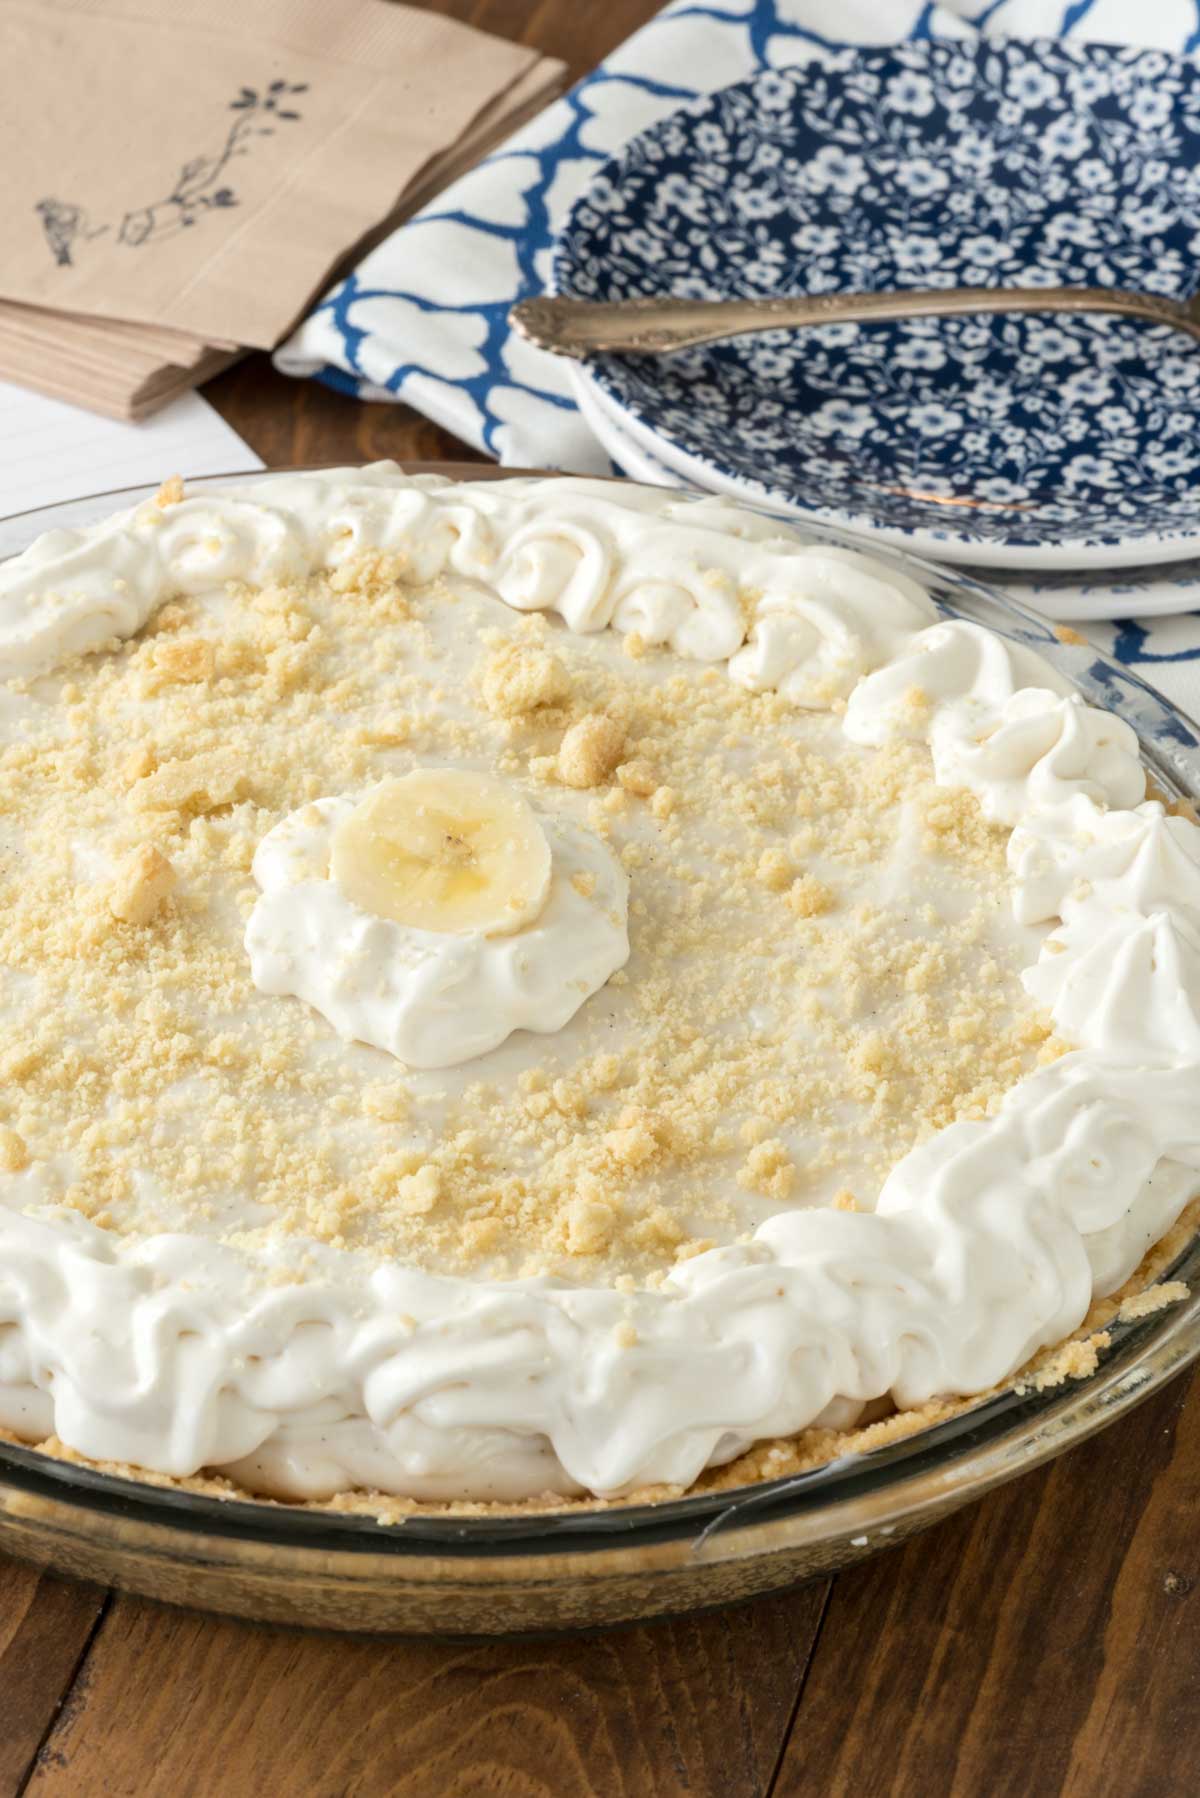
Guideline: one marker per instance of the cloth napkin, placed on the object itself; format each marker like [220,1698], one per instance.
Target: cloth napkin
[422,318]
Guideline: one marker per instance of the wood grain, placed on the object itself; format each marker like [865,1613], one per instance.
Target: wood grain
[697,1707]
[578,34]
[1047,1640]
[45,1625]
[300,422]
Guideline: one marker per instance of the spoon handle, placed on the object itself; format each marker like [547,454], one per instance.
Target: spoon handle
[648,326]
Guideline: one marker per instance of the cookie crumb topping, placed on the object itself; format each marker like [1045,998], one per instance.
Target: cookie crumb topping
[590,750]
[142,884]
[780,1036]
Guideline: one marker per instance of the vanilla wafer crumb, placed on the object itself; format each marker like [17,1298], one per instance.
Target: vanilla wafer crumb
[519,678]
[590,750]
[13,1153]
[589,1226]
[774,870]
[170,492]
[768,1170]
[178,660]
[808,898]
[1153,1298]
[196,783]
[637,777]
[142,884]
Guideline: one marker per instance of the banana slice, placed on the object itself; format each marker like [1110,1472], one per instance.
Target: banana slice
[446,850]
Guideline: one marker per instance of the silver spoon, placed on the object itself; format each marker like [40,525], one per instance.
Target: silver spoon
[651,326]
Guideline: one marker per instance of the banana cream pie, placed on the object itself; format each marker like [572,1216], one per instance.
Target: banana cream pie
[535,987]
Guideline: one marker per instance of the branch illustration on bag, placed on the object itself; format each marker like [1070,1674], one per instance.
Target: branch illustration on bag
[199,187]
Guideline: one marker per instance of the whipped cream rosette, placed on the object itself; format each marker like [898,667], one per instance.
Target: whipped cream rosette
[495,936]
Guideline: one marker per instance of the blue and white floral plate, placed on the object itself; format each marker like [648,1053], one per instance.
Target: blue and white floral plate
[1034,442]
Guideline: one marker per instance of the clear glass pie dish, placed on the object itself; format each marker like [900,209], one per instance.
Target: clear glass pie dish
[580,1567]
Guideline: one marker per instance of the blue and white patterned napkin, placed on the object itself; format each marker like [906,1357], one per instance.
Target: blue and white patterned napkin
[423,317]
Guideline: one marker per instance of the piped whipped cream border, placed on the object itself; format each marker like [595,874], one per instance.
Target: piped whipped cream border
[987,1243]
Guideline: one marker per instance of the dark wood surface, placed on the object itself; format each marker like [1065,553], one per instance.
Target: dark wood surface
[1046,1640]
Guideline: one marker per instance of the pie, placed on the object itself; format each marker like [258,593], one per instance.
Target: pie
[534,990]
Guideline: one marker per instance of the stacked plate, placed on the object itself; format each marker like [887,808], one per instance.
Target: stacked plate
[1030,442]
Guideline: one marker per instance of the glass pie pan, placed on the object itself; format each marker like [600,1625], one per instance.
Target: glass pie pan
[533,1571]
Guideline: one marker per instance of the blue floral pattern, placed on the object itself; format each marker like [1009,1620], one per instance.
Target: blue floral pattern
[944,164]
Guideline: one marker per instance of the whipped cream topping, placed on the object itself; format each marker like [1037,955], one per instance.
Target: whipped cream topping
[999,720]
[964,671]
[432,999]
[830,618]
[680,573]
[1124,964]
[1037,749]
[987,1242]
[1141,860]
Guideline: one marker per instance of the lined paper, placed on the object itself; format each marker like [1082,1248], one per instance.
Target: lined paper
[50,451]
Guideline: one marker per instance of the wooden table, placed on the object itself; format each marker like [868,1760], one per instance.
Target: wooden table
[1047,1640]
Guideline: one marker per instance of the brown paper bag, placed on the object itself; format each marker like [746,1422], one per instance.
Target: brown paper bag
[203,165]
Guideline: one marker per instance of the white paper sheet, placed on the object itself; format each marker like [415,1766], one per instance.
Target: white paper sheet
[50,451]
